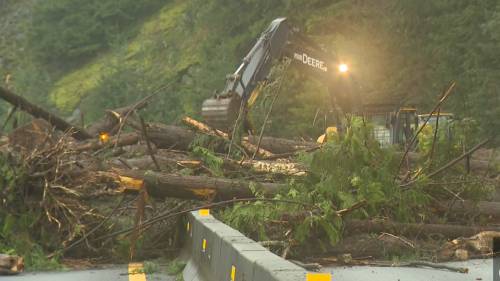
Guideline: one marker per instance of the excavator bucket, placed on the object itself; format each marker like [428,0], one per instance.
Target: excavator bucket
[221,112]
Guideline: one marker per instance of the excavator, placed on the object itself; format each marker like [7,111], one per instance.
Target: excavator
[280,40]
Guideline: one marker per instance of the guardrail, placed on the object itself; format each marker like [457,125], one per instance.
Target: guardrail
[221,253]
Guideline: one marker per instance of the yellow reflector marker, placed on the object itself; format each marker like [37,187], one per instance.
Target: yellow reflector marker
[204,245]
[136,272]
[204,212]
[187,226]
[318,276]
[104,137]
[233,273]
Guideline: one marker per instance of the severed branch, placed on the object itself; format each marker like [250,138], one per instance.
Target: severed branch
[9,115]
[419,264]
[456,160]
[201,127]
[452,162]
[443,98]
[148,143]
[355,206]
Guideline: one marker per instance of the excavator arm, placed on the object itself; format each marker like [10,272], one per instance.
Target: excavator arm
[277,41]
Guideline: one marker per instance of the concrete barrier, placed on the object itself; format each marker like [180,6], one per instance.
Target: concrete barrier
[221,253]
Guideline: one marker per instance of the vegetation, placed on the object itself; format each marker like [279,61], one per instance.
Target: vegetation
[348,170]
[19,219]
[106,53]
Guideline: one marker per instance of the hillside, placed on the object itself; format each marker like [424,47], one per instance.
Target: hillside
[112,54]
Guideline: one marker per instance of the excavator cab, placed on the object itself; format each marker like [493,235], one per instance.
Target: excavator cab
[391,125]
[445,123]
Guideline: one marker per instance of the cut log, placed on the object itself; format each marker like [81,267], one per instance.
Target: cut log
[162,185]
[282,166]
[280,145]
[95,144]
[109,123]
[10,265]
[39,112]
[477,245]
[170,137]
[414,229]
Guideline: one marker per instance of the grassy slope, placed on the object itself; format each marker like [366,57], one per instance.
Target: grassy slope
[70,88]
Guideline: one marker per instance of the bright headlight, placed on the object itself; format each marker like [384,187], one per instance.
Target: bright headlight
[343,68]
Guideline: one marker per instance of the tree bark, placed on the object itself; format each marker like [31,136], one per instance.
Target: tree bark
[39,112]
[280,145]
[168,161]
[482,207]
[196,187]
[162,185]
[414,229]
[176,137]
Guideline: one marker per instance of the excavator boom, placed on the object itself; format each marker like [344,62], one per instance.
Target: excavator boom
[277,41]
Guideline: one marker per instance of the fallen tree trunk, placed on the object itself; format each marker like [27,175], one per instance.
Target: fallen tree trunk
[168,136]
[414,229]
[281,145]
[214,132]
[39,112]
[202,188]
[481,207]
[170,160]
[162,185]
[477,163]
[10,265]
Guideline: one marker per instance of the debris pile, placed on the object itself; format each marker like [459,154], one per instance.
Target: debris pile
[69,171]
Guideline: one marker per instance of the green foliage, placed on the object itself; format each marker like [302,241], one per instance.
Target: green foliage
[12,178]
[213,162]
[345,171]
[356,168]
[175,267]
[71,30]
[250,218]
